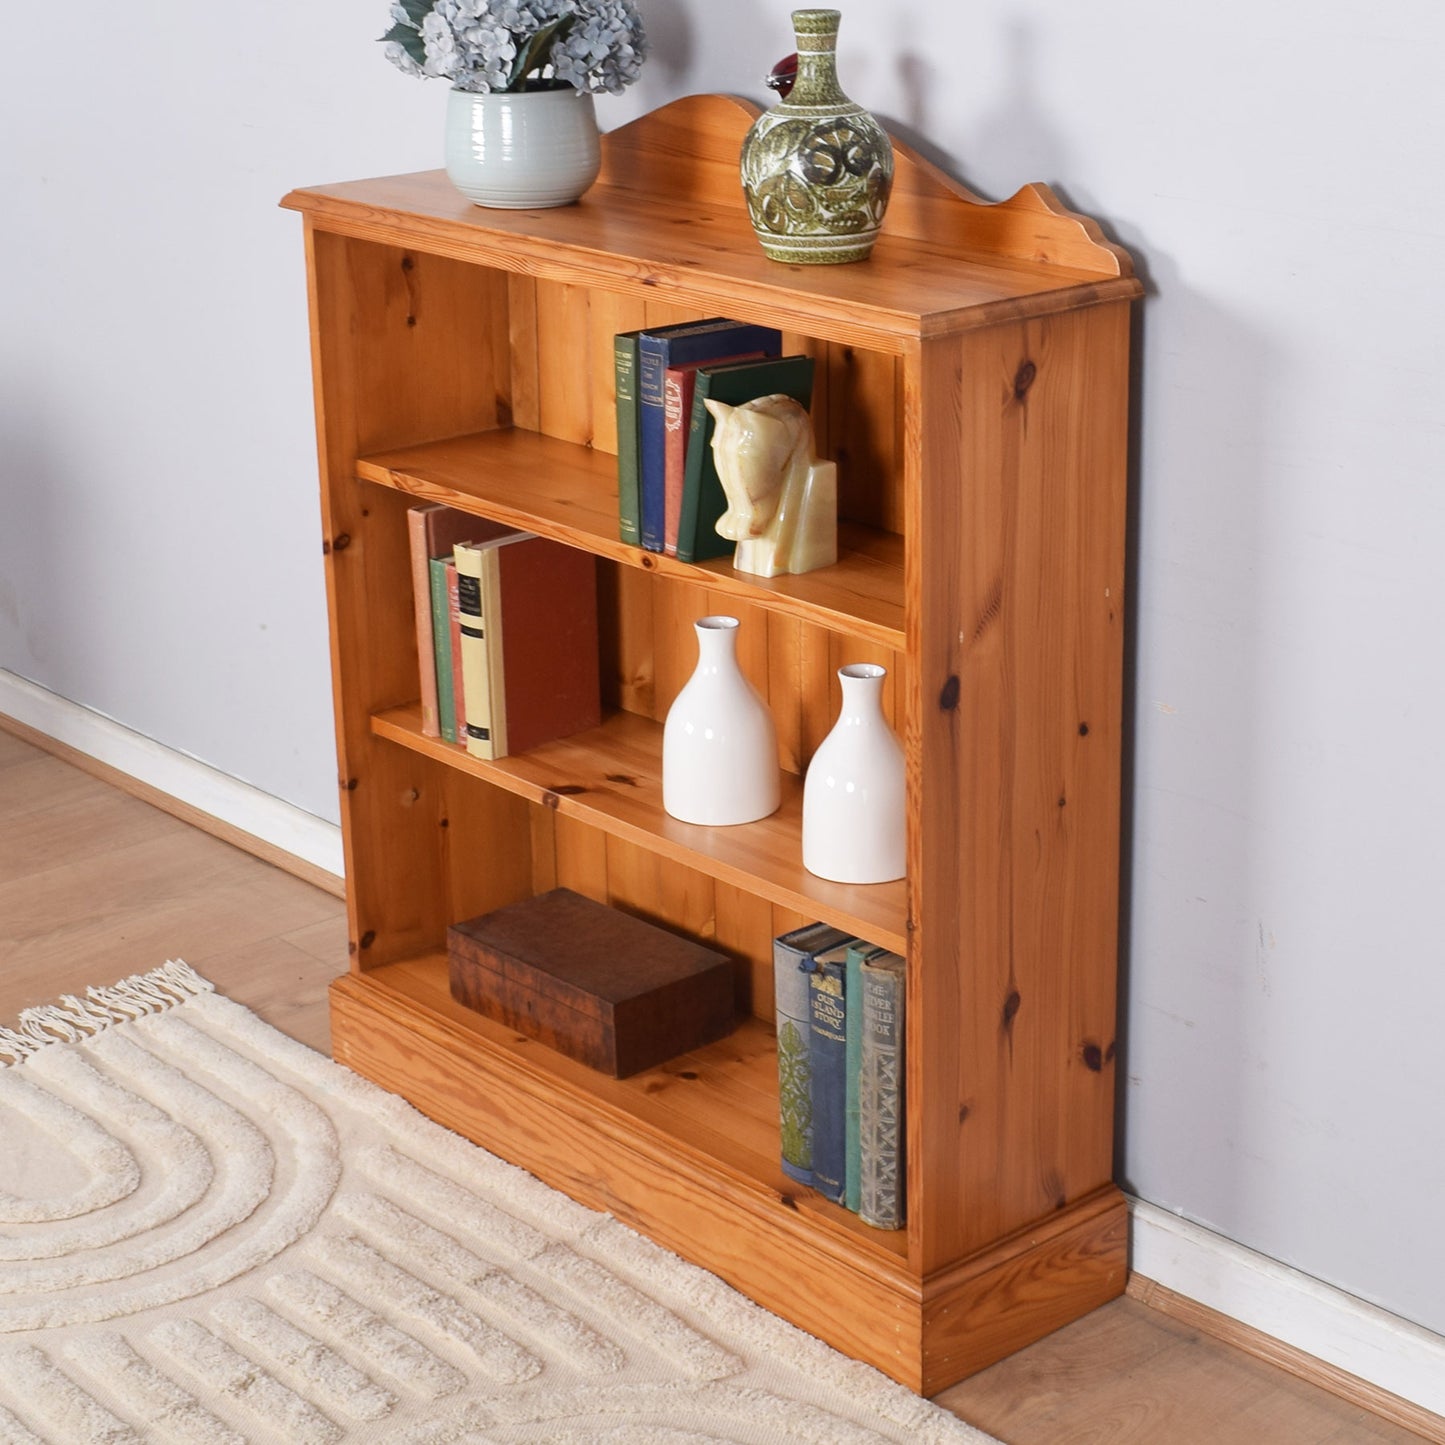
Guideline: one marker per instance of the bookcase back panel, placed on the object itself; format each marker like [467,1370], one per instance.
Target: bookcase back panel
[649,650]
[563,384]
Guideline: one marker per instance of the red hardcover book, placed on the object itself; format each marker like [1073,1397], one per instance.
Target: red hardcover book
[677,392]
[537,601]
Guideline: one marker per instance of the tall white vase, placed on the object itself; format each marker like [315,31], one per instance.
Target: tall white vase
[854,805]
[719,746]
[522,150]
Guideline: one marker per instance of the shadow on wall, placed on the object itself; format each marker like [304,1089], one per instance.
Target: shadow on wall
[1015,134]
[1191,708]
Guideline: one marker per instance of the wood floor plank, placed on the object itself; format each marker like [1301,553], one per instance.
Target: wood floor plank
[95,885]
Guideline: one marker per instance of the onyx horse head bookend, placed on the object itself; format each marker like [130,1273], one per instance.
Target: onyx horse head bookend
[782,502]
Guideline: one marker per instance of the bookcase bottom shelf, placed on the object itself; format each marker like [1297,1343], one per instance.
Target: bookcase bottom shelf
[619,1146]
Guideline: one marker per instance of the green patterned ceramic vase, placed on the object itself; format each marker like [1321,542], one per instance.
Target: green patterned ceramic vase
[817,169]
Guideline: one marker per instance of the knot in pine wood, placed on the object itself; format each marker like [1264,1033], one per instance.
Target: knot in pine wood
[1024,378]
[948,694]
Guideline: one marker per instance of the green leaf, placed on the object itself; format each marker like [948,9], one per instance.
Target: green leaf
[416,10]
[534,55]
[410,41]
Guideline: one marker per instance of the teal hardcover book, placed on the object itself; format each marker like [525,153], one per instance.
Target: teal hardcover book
[442,646]
[703,500]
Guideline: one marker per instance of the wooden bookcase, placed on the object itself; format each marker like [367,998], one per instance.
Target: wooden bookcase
[972,385]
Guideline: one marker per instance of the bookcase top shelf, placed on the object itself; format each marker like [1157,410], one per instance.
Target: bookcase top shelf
[667,218]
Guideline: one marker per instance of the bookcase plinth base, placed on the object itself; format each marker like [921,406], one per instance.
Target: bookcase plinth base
[865,1302]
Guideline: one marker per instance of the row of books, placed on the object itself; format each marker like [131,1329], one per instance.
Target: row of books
[506,628]
[669,497]
[840,1018]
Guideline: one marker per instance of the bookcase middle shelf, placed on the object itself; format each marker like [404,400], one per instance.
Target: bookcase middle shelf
[568,491]
[611,778]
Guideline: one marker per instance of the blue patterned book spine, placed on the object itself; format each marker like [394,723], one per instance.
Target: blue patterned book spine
[828,1000]
[677,346]
[792,958]
[881,1094]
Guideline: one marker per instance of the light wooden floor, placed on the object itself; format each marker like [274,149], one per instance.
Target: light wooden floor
[95,885]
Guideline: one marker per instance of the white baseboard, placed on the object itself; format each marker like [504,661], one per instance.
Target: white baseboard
[1323,1321]
[284,826]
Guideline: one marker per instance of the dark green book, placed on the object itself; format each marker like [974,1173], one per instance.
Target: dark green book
[629,497]
[703,501]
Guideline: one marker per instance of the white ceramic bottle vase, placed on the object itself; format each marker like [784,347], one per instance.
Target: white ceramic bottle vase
[854,809]
[719,746]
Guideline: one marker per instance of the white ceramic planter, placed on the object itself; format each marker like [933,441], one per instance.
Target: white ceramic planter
[719,746]
[854,797]
[522,151]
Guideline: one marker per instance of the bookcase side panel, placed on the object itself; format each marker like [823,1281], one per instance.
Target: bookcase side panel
[405,347]
[1018,573]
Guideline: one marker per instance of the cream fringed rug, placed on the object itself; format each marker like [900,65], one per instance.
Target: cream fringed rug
[210,1233]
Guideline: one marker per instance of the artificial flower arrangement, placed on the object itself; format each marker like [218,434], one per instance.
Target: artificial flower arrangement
[519,45]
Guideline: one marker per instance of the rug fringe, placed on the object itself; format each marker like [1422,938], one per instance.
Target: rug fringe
[71,1019]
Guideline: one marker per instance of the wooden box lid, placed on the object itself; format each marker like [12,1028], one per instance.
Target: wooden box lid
[615,992]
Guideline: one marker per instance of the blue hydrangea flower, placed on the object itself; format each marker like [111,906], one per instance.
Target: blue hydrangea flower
[476,44]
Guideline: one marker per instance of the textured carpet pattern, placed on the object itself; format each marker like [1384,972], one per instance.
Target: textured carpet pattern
[209,1233]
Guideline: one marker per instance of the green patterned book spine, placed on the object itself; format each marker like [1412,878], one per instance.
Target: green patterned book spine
[881,1163]
[792,957]
[853,1067]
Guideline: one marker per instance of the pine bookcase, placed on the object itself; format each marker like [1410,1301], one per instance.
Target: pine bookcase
[972,384]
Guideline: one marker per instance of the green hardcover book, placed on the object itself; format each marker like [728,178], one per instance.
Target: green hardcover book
[629,497]
[857,955]
[442,645]
[881,1094]
[703,501]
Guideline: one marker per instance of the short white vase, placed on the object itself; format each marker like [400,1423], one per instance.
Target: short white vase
[522,150]
[719,746]
[854,797]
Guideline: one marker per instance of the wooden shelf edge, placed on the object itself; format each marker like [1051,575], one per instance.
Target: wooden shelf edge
[861,1297]
[414,471]
[536,777]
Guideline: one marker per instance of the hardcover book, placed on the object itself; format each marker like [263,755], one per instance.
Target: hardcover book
[624,362]
[442,648]
[433,530]
[674,346]
[530,666]
[677,393]
[858,952]
[703,500]
[828,1009]
[792,958]
[881,1093]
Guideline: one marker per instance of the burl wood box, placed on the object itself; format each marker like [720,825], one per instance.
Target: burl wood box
[598,985]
